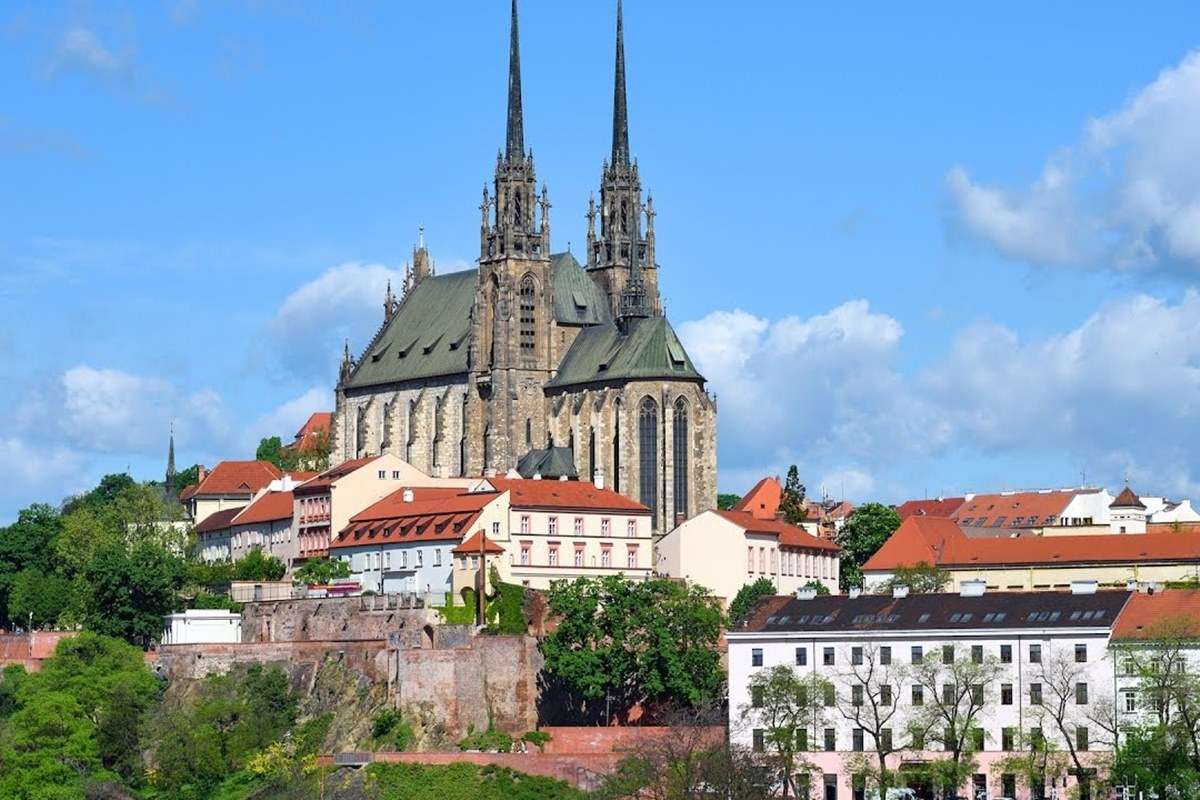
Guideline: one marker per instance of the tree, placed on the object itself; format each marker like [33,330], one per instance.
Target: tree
[28,543]
[864,532]
[791,502]
[38,599]
[270,449]
[789,708]
[954,685]
[1034,762]
[1065,708]
[321,570]
[131,591]
[258,566]
[920,578]
[725,502]
[870,705]
[747,598]
[620,643]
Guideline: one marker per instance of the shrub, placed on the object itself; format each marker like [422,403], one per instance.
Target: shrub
[537,738]
[389,728]
[489,741]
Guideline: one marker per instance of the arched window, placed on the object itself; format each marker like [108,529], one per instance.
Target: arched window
[528,315]
[439,430]
[616,447]
[412,431]
[462,440]
[487,447]
[592,456]
[528,432]
[648,455]
[679,436]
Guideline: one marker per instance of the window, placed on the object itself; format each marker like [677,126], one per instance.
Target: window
[525,548]
[749,559]
[605,526]
[918,654]
[579,526]
[525,523]
[756,657]
[1081,739]
[1006,654]
[1035,694]
[885,739]
[857,740]
[631,528]
[918,739]
[420,558]
[885,695]
[827,656]
[948,694]
[528,336]
[383,474]
[1008,785]
[977,694]
[977,654]
[830,740]
[1130,701]
[757,740]
[552,556]
[801,657]
[918,695]
[947,654]
[680,449]
[631,558]
[606,556]
[1006,739]
[552,526]
[756,697]
[885,656]
[1035,654]
[403,559]
[578,555]
[495,529]
[762,559]
[648,455]
[395,474]
[387,560]
[856,656]
[977,738]
[802,740]
[1081,654]
[948,739]
[1081,694]
[856,694]
[830,696]
[1006,694]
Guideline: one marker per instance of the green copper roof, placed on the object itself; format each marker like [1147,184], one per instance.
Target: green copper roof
[577,298]
[428,337]
[648,350]
[549,462]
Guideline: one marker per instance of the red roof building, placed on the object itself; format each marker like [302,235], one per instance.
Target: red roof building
[938,507]
[1173,612]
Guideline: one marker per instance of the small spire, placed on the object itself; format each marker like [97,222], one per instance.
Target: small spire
[515,140]
[170,477]
[421,237]
[620,140]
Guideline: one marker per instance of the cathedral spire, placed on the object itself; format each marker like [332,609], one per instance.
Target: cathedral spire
[620,140]
[515,147]
[170,481]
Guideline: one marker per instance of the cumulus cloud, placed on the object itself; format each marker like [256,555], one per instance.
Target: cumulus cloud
[1116,394]
[286,418]
[344,303]
[1126,196]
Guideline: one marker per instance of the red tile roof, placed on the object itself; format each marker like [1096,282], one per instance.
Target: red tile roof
[1017,509]
[317,424]
[471,545]
[238,477]
[270,507]
[1127,499]
[322,482]
[575,495]
[941,507]
[218,520]
[433,515]
[788,535]
[1174,612]
[762,500]
[941,542]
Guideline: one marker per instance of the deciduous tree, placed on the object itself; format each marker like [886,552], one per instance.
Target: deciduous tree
[864,532]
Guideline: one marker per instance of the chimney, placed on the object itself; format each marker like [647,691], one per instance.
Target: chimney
[974,588]
[201,473]
[899,591]
[598,481]
[855,591]
[1084,587]
[408,495]
[806,593]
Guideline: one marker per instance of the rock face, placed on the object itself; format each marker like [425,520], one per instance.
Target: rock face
[332,619]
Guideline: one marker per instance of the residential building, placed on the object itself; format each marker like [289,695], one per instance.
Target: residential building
[937,507]
[404,542]
[724,550]
[1032,647]
[229,484]
[266,524]
[1033,562]
[214,535]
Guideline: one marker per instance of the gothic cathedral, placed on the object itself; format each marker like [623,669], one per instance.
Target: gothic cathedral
[534,359]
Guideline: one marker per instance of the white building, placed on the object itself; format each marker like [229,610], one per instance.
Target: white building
[202,626]
[1036,646]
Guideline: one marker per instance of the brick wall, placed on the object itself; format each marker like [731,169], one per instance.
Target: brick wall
[29,649]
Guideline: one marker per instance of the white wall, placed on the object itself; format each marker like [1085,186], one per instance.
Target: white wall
[202,626]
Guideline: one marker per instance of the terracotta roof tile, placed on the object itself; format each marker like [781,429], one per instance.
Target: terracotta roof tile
[1127,499]
[788,535]
[762,500]
[270,507]
[1017,509]
[434,514]
[317,424]
[581,495]
[471,545]
[238,477]
[941,507]
[1174,612]
[324,480]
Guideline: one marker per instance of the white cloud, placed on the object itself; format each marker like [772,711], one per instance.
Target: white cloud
[345,302]
[1117,395]
[32,466]
[1126,196]
[81,49]
[286,418]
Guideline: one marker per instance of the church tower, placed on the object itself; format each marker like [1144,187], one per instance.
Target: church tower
[622,246]
[511,349]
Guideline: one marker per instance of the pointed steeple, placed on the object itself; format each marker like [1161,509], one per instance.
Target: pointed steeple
[515,146]
[170,481]
[620,140]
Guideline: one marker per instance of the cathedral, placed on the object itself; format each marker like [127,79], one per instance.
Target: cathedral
[533,354]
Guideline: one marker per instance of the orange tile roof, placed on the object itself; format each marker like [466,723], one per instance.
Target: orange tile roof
[530,493]
[434,514]
[270,507]
[238,477]
[1033,509]
[940,507]
[324,480]
[762,500]
[1174,612]
[941,542]
[471,545]
[788,535]
[218,520]
[320,422]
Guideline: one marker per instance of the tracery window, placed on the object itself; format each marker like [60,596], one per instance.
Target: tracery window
[680,439]
[528,319]
[648,454]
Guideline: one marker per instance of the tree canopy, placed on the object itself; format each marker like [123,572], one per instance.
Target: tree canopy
[791,502]
[747,598]
[864,532]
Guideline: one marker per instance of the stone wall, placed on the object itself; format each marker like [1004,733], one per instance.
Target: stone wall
[29,649]
[371,618]
[300,660]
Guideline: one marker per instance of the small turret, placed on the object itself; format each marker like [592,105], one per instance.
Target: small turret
[422,265]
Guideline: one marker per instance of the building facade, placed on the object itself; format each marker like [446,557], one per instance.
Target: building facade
[472,370]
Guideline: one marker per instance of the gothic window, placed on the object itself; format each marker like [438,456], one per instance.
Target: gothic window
[360,431]
[571,442]
[680,437]
[487,447]
[592,456]
[624,216]
[517,209]
[616,447]
[528,315]
[412,431]
[439,428]
[462,441]
[648,455]
[528,432]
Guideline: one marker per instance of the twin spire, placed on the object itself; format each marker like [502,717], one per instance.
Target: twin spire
[515,134]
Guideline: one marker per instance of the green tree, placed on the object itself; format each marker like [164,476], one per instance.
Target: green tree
[725,502]
[28,543]
[920,578]
[321,570]
[791,502]
[788,706]
[270,449]
[49,750]
[187,477]
[37,598]
[258,566]
[103,495]
[620,642]
[747,598]
[131,591]
[864,532]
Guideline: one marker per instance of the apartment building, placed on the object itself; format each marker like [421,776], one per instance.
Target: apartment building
[893,667]
[230,484]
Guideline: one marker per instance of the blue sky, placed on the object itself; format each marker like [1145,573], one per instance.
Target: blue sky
[918,249]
